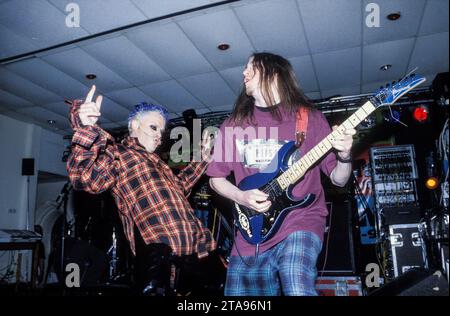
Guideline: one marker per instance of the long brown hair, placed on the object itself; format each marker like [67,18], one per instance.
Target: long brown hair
[271,67]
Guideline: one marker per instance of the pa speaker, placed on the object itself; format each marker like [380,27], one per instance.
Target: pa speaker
[415,282]
[28,166]
[337,256]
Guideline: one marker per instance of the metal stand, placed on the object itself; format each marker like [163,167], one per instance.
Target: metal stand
[62,200]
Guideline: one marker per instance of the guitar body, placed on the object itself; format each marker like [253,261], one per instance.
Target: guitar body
[258,227]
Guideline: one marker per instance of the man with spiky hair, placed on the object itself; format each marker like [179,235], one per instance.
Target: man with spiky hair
[151,199]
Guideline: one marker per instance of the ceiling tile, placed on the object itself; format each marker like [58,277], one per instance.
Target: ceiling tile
[435,18]
[12,102]
[77,63]
[15,44]
[304,72]
[395,53]
[158,8]
[280,33]
[332,25]
[168,46]
[430,54]
[234,77]
[123,57]
[25,89]
[39,21]
[43,115]
[407,26]
[98,16]
[60,108]
[171,95]
[130,97]
[339,68]
[210,88]
[113,111]
[48,77]
[226,30]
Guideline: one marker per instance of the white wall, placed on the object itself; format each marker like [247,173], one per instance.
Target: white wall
[52,149]
[20,140]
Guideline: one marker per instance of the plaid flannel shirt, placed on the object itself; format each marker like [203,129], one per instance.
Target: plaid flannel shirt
[147,192]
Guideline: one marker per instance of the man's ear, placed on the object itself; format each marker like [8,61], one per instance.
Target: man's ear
[134,126]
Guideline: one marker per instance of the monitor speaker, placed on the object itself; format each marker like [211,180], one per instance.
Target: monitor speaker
[337,256]
[92,262]
[415,282]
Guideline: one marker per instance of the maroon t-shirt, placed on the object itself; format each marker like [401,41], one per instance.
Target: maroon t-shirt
[247,149]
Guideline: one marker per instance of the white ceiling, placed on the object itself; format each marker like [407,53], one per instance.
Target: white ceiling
[175,61]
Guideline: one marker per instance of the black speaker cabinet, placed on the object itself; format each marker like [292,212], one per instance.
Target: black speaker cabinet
[337,256]
[415,282]
[93,262]
[28,166]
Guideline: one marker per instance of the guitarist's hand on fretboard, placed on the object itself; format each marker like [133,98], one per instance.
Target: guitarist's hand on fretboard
[254,199]
[343,141]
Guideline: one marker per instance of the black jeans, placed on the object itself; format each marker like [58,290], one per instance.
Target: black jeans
[154,263]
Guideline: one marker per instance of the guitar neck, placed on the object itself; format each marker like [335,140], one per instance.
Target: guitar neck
[298,169]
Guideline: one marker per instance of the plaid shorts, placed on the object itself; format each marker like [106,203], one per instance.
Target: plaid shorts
[289,268]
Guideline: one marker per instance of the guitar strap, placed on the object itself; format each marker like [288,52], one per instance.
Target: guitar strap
[301,126]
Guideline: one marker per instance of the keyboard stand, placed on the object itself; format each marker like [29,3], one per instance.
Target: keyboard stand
[32,245]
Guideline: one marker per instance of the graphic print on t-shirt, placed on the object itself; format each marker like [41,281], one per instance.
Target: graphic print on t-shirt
[258,153]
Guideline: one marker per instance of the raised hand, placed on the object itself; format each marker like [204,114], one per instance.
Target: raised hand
[90,111]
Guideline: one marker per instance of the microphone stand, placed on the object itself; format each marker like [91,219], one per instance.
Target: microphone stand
[62,200]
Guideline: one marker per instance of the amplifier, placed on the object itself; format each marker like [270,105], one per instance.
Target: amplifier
[393,163]
[394,175]
[400,215]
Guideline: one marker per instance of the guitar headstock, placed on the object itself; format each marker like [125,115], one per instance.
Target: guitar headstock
[392,92]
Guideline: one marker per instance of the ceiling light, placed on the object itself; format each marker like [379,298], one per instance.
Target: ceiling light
[223,46]
[91,76]
[394,16]
[385,67]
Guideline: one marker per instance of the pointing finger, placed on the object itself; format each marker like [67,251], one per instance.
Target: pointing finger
[90,94]
[98,102]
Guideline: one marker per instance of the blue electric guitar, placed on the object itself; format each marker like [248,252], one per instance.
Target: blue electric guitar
[259,227]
